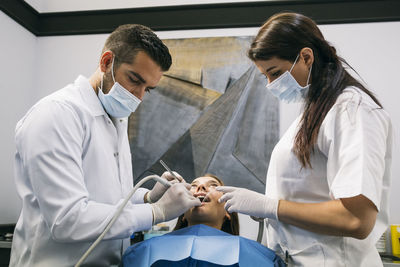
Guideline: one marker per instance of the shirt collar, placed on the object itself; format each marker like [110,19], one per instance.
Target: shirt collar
[89,96]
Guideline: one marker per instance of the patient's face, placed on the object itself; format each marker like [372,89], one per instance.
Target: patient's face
[210,211]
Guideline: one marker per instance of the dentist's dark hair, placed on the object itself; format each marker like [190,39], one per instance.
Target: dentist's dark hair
[283,36]
[230,226]
[127,40]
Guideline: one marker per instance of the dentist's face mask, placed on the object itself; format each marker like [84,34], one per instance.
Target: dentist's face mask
[287,89]
[118,102]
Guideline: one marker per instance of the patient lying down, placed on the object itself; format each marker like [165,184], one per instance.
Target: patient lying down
[210,213]
[201,235]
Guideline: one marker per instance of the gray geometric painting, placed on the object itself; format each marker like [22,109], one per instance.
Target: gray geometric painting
[210,113]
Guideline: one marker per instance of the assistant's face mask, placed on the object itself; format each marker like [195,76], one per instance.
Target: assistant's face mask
[286,88]
[118,102]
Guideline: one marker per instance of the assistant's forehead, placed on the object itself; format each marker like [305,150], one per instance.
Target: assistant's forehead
[205,179]
[272,62]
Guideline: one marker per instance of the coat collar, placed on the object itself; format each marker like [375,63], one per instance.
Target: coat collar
[89,96]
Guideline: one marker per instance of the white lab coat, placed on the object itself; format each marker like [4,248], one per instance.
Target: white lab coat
[73,169]
[352,156]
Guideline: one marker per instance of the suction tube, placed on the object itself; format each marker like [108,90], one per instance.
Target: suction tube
[118,212]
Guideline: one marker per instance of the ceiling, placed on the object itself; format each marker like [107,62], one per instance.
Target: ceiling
[45,6]
[71,17]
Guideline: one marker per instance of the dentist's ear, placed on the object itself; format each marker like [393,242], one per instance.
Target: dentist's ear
[106,61]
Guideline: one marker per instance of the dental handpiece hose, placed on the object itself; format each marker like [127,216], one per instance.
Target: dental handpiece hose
[118,212]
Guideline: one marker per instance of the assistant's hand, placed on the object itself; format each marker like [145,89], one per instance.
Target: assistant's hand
[176,200]
[248,202]
[158,190]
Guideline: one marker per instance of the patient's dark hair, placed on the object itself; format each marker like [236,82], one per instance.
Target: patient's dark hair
[230,226]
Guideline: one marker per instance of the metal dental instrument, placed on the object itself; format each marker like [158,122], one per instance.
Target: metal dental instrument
[169,170]
[205,197]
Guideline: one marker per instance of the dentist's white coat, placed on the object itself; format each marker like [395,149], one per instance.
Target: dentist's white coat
[73,169]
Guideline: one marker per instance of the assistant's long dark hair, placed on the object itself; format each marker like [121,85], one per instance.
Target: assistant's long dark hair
[230,226]
[283,36]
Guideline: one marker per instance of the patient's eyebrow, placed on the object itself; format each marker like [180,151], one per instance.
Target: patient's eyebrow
[212,181]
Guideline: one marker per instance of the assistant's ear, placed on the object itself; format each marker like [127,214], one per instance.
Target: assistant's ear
[307,55]
[106,61]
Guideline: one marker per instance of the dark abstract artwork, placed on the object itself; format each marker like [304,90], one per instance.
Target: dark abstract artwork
[210,113]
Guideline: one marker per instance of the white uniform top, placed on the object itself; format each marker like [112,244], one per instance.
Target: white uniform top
[73,169]
[352,156]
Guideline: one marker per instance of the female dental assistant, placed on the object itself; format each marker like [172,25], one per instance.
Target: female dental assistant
[326,200]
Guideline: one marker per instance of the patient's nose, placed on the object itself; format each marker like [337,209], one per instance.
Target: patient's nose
[201,187]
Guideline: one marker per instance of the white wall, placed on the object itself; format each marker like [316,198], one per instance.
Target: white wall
[18,50]
[61,59]
[371,48]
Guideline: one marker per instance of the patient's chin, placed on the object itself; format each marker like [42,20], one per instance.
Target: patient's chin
[199,210]
[199,214]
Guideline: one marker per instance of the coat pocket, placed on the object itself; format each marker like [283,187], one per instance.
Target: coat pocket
[312,255]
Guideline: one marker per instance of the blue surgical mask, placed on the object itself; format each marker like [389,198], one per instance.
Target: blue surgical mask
[287,89]
[118,102]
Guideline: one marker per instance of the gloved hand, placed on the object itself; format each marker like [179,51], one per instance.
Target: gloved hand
[176,200]
[248,202]
[158,190]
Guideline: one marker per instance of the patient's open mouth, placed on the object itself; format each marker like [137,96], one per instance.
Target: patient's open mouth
[203,198]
